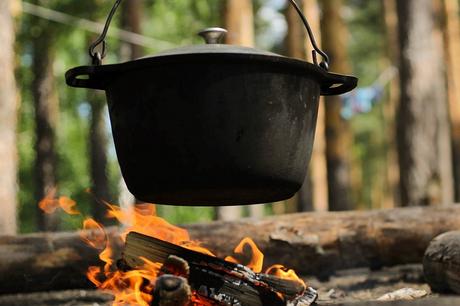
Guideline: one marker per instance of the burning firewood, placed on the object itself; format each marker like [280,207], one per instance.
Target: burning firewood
[217,280]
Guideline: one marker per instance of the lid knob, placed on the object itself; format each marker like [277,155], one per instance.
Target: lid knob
[213,35]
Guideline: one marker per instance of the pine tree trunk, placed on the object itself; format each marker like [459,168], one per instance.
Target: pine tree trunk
[46,116]
[131,21]
[391,105]
[338,134]
[295,48]
[98,156]
[239,21]
[313,194]
[423,123]
[318,194]
[8,121]
[452,52]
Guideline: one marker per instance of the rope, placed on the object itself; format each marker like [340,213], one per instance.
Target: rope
[94,27]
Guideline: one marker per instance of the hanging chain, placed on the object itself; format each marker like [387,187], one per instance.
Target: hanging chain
[98,56]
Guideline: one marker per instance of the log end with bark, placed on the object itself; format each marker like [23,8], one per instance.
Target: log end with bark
[441,264]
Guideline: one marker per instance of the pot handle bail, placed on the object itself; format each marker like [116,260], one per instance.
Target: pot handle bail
[96,56]
[324,64]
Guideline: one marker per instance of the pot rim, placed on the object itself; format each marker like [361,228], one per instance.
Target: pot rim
[98,77]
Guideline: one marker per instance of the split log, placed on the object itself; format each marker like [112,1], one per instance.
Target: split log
[312,243]
[215,279]
[441,264]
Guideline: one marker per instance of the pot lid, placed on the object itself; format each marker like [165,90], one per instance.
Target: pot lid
[213,38]
[97,75]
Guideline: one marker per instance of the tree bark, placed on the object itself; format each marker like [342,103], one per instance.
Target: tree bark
[452,50]
[239,21]
[59,298]
[322,243]
[47,261]
[423,124]
[98,156]
[392,196]
[318,163]
[311,243]
[8,121]
[338,134]
[46,116]
[295,48]
[313,194]
[132,21]
[441,264]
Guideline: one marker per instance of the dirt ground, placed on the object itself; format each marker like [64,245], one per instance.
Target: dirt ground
[360,287]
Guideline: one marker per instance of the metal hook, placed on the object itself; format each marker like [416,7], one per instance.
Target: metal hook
[97,57]
[325,63]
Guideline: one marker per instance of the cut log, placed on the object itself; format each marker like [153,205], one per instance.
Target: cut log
[311,243]
[171,290]
[441,264]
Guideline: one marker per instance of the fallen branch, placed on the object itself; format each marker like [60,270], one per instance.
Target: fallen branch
[322,243]
[47,261]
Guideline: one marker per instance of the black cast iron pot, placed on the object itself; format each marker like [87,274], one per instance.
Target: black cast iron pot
[213,124]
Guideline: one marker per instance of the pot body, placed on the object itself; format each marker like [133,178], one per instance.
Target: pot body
[214,131]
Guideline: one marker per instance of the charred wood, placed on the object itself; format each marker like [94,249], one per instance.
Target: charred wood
[171,290]
[213,278]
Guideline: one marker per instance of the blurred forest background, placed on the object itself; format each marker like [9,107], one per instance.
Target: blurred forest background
[394,141]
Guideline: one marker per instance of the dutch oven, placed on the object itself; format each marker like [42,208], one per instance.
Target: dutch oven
[212,124]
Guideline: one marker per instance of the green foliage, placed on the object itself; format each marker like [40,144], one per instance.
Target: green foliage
[367,40]
[185,215]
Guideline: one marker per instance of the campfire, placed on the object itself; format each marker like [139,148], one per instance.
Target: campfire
[162,265]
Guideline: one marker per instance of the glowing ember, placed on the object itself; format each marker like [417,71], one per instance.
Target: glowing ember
[135,287]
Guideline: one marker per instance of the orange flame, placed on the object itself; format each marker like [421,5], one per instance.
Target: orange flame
[256,257]
[143,219]
[93,234]
[135,287]
[49,204]
[283,272]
